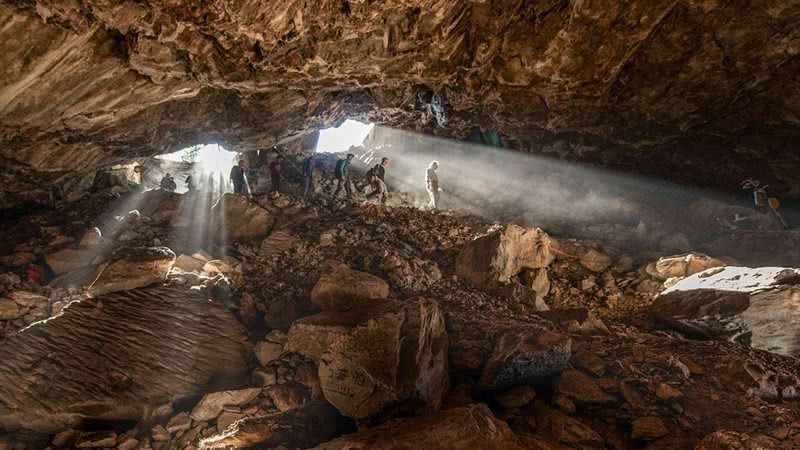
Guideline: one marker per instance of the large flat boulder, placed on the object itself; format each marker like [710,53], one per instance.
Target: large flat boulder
[134,267]
[339,287]
[500,256]
[237,218]
[377,355]
[468,427]
[108,357]
[757,307]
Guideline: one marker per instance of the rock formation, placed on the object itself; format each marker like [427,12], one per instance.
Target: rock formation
[108,357]
[664,87]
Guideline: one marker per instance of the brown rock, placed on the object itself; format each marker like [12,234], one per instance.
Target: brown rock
[187,263]
[303,427]
[237,218]
[516,397]
[668,393]
[469,427]
[9,310]
[97,439]
[501,255]
[648,428]
[731,440]
[683,265]
[588,362]
[271,347]
[581,388]
[181,422]
[524,356]
[339,287]
[377,355]
[595,261]
[67,260]
[288,396]
[211,405]
[133,267]
[565,429]
[172,337]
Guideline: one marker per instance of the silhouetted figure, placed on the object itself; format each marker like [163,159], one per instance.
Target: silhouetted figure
[275,173]
[308,175]
[432,184]
[190,187]
[168,183]
[342,177]
[237,177]
[376,176]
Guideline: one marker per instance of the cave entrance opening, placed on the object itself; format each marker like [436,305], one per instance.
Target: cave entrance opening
[206,167]
[340,139]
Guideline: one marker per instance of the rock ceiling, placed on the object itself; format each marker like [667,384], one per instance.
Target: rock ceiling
[634,84]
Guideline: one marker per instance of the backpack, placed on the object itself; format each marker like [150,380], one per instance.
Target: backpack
[373,172]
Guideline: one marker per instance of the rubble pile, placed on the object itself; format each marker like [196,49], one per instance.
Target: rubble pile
[333,324]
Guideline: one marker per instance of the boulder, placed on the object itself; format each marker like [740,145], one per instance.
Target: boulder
[216,266]
[188,263]
[67,260]
[516,397]
[303,427]
[271,347]
[498,257]
[9,310]
[98,439]
[765,319]
[377,354]
[595,261]
[581,389]
[237,218]
[648,428]
[410,274]
[278,242]
[682,265]
[117,353]
[525,355]
[564,429]
[134,267]
[339,287]
[468,427]
[732,440]
[211,405]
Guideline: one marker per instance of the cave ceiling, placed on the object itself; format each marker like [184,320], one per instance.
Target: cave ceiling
[85,83]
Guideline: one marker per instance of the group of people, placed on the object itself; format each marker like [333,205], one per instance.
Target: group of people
[375,178]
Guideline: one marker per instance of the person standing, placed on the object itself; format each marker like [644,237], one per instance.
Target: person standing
[237,177]
[376,177]
[342,177]
[308,175]
[168,183]
[275,173]
[432,184]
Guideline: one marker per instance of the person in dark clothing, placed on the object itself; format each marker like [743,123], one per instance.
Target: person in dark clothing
[190,187]
[342,178]
[308,175]
[376,179]
[275,173]
[168,183]
[237,177]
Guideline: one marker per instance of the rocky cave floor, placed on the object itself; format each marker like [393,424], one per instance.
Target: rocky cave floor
[338,324]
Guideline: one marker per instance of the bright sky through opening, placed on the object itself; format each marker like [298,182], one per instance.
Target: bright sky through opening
[336,140]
